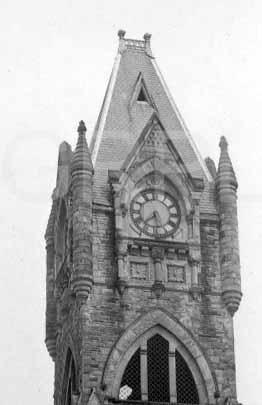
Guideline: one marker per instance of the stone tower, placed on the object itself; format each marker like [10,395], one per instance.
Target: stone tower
[143,274]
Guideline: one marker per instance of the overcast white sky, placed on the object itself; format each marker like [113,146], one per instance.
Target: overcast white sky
[56,58]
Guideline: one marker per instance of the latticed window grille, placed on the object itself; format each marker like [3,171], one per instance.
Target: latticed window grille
[130,385]
[157,375]
[158,369]
[185,384]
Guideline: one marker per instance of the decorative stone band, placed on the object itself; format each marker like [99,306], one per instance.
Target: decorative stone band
[232,300]
[82,284]
[135,43]
[51,347]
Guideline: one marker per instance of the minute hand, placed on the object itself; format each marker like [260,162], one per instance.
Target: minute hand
[158,218]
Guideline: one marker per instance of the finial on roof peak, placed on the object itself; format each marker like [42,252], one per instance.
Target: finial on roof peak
[147,37]
[121,34]
[223,143]
[81,127]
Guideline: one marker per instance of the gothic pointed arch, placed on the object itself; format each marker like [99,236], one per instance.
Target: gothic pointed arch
[136,336]
[154,151]
[69,385]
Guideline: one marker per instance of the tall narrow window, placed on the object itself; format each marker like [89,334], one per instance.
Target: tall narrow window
[69,381]
[157,372]
[158,369]
[130,385]
[185,384]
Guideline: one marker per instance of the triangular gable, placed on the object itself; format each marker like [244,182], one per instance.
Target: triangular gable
[154,141]
[141,93]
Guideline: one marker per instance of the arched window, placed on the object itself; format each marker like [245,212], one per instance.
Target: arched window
[69,388]
[158,372]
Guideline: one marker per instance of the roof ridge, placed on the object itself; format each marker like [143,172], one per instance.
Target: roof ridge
[98,132]
[182,122]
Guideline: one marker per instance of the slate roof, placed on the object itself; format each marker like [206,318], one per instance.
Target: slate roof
[121,120]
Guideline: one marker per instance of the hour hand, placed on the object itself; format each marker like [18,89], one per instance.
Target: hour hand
[155,215]
[151,216]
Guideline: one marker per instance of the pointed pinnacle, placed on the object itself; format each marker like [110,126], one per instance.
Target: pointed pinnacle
[81,159]
[81,127]
[225,172]
[121,34]
[147,37]
[223,144]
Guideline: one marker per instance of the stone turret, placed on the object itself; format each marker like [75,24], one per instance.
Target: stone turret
[226,188]
[50,284]
[82,178]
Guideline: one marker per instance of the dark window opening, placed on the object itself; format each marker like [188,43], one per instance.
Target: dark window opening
[155,375]
[130,387]
[142,96]
[158,369]
[69,382]
[185,384]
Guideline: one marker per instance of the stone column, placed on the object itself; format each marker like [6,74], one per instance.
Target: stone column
[158,256]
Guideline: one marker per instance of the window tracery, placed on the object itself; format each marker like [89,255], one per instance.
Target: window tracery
[158,372]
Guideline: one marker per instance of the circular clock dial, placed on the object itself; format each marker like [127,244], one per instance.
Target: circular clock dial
[156,213]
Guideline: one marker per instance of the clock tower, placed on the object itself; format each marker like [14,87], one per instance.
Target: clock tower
[143,275]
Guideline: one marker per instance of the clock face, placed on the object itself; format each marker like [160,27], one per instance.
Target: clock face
[155,213]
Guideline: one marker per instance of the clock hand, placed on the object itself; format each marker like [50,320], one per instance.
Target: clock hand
[155,215]
[158,218]
[150,217]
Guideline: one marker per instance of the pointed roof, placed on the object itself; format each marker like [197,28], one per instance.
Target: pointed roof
[82,158]
[123,118]
[225,173]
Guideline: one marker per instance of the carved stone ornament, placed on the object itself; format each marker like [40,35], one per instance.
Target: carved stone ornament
[158,288]
[121,285]
[176,273]
[139,270]
[196,293]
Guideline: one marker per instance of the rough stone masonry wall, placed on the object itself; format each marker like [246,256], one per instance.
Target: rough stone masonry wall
[216,333]
[109,315]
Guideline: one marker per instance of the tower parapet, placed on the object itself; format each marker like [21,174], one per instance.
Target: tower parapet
[226,188]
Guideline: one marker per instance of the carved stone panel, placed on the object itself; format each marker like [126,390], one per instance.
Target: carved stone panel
[139,270]
[176,273]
